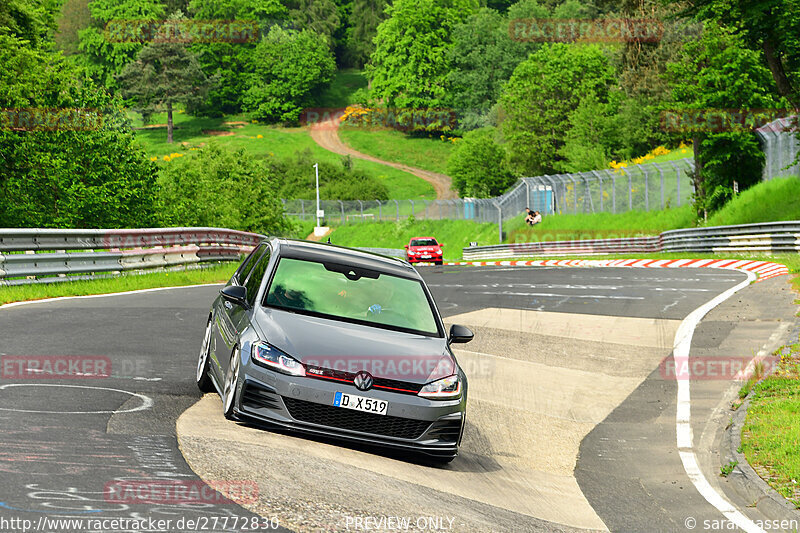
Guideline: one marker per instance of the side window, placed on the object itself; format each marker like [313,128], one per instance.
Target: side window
[256,275]
[248,264]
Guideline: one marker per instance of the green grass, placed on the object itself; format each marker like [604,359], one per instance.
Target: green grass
[274,142]
[213,274]
[768,201]
[598,225]
[771,434]
[340,92]
[390,145]
[454,234]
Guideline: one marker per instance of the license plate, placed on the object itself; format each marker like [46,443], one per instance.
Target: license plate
[360,403]
[426,257]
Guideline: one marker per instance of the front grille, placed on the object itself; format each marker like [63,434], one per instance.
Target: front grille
[338,417]
[256,397]
[402,387]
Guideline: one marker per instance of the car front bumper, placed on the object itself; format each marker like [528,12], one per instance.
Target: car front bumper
[305,404]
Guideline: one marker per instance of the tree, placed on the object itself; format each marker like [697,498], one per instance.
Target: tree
[318,16]
[769,27]
[226,184]
[718,72]
[231,63]
[410,64]
[74,17]
[365,17]
[287,67]
[105,54]
[84,169]
[30,20]
[164,74]
[541,94]
[595,134]
[478,165]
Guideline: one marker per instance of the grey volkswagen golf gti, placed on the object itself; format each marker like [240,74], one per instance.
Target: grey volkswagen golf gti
[336,342]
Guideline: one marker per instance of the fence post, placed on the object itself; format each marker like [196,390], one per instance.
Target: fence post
[499,220]
[661,174]
[646,187]
[630,190]
[610,174]
[302,210]
[412,207]
[600,179]
[380,211]
[397,205]
[361,205]
[342,205]
[674,165]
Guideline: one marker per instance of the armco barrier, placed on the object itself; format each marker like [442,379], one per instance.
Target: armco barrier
[60,254]
[767,237]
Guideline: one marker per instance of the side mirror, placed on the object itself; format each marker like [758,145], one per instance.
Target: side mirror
[235,294]
[459,334]
[406,247]
[441,245]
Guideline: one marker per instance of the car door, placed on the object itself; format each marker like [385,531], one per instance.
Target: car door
[227,316]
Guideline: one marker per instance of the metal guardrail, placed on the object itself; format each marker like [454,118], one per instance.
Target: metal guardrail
[50,255]
[767,237]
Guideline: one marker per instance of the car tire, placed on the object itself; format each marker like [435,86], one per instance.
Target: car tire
[231,382]
[439,262]
[204,382]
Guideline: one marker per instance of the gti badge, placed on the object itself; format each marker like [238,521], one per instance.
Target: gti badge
[363,381]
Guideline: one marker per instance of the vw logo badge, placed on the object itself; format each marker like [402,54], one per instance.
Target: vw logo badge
[363,381]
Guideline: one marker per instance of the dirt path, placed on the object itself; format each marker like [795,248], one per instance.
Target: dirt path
[326,134]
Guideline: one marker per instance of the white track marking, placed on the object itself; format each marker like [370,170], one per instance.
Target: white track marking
[147,402]
[683,427]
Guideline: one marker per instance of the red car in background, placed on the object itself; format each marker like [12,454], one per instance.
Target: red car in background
[423,250]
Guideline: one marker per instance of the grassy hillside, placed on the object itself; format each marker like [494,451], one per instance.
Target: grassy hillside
[391,145]
[265,141]
[769,201]
[340,92]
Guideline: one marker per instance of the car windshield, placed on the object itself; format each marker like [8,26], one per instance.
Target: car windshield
[352,294]
[424,242]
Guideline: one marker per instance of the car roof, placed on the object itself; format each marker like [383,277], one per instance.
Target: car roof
[415,238]
[317,251]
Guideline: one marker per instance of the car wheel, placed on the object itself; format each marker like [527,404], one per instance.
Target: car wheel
[439,262]
[231,381]
[204,382]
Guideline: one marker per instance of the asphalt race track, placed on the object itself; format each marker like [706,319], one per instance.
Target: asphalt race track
[571,422]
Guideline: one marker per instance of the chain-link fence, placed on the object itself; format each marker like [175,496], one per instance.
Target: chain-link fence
[637,187]
[779,141]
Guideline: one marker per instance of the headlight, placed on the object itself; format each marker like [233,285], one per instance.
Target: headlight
[443,389]
[411,252]
[273,358]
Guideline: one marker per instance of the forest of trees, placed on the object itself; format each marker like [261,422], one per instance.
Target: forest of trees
[524,106]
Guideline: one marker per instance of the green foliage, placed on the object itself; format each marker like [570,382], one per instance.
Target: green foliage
[768,201]
[478,165]
[318,16]
[540,96]
[483,56]
[103,58]
[92,175]
[29,20]
[231,63]
[73,17]
[595,134]
[410,64]
[337,181]
[221,188]
[288,68]
[719,72]
[365,16]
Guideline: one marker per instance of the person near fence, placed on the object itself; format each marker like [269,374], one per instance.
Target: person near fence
[537,217]
[528,216]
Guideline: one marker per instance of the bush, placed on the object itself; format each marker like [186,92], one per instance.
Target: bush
[219,187]
[336,182]
[478,165]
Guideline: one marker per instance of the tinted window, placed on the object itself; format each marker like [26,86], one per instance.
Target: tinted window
[256,274]
[424,242]
[248,263]
[351,294]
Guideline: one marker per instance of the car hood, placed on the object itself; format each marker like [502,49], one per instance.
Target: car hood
[351,348]
[424,248]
